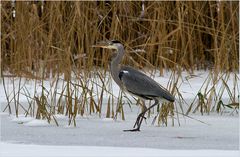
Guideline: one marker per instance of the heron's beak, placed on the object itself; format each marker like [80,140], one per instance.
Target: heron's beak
[104,44]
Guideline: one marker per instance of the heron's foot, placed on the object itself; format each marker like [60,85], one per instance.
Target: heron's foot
[132,130]
[138,122]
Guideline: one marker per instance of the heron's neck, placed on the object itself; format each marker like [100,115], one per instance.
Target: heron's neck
[115,65]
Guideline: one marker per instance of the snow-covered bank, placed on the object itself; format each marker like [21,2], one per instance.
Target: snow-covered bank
[21,150]
[188,85]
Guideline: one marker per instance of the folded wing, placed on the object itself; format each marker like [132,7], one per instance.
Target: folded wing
[142,85]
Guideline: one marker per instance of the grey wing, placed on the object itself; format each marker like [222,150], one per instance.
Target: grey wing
[142,85]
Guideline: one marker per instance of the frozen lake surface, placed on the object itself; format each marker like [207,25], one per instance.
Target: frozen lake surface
[219,132]
[21,150]
[26,136]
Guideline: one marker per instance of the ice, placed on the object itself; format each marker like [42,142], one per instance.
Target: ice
[96,135]
[217,132]
[21,150]
[36,122]
[21,119]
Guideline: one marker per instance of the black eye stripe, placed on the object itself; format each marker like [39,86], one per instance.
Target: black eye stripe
[115,41]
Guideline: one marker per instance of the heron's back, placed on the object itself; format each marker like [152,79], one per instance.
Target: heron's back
[142,85]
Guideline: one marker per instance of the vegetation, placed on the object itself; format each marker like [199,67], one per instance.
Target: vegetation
[41,40]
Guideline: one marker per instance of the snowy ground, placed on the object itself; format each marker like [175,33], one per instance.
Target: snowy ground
[104,137]
[94,136]
[219,132]
[17,150]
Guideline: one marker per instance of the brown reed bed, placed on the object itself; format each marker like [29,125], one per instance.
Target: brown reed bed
[42,40]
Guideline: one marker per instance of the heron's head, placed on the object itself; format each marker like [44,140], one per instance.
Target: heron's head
[109,44]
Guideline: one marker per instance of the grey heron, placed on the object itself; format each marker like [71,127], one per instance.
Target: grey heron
[134,81]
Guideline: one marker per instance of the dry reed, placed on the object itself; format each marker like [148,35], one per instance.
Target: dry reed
[42,40]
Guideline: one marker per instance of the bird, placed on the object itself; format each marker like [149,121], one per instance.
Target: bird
[134,81]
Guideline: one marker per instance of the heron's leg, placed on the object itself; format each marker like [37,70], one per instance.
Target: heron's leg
[155,103]
[141,117]
[144,112]
[138,122]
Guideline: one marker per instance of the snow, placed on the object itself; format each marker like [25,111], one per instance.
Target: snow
[217,132]
[37,122]
[189,85]
[21,119]
[218,135]
[21,150]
